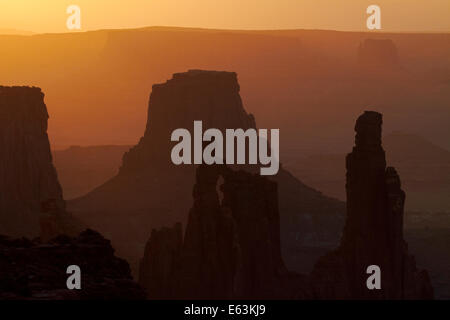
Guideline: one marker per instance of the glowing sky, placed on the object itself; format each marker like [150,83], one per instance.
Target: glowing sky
[397,15]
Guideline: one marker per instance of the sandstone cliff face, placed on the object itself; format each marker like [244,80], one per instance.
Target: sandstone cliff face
[373,233]
[210,96]
[28,181]
[142,196]
[36,271]
[231,248]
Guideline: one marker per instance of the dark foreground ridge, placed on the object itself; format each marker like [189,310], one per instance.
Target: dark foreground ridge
[36,270]
[32,204]
[231,247]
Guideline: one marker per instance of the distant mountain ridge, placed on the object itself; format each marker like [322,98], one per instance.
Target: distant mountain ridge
[81,169]
[292,79]
[15,32]
[424,166]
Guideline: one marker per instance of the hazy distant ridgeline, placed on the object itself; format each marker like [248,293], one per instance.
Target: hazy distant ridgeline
[81,169]
[307,83]
[4,31]
[425,170]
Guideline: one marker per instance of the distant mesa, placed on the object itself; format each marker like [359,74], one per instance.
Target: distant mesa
[378,55]
[210,96]
[289,79]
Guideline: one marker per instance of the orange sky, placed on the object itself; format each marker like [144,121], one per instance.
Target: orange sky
[397,15]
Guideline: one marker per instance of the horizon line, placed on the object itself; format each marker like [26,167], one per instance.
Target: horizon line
[33,33]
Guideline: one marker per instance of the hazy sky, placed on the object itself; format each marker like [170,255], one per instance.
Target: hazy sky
[396,15]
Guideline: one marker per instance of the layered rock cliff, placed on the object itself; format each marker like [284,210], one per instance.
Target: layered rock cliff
[373,233]
[30,192]
[150,191]
[37,271]
[210,96]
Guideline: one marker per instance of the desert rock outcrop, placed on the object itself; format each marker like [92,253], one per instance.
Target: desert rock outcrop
[373,233]
[31,196]
[34,270]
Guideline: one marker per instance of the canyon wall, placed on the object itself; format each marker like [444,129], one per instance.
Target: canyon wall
[30,192]
[32,204]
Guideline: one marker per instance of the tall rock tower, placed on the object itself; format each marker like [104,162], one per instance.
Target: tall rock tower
[374,230]
[373,233]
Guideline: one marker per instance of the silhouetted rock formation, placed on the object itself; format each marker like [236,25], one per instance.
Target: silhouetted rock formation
[32,270]
[210,96]
[373,234]
[378,55]
[141,197]
[30,192]
[157,270]
[231,247]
